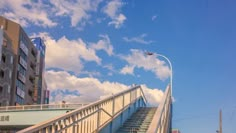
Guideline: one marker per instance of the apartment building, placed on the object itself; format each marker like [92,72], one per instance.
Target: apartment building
[41,94]
[24,63]
[6,68]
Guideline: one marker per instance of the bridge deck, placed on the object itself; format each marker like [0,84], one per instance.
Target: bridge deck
[20,117]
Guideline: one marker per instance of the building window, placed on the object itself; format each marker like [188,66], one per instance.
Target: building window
[20,84]
[24,39]
[1,74]
[23,55]
[9,89]
[1,88]
[19,100]
[10,73]
[21,70]
[3,58]
[11,59]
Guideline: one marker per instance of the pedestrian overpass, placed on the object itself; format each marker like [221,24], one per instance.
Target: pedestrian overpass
[125,112]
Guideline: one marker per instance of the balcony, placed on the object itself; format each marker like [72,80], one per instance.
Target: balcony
[24,48]
[21,77]
[23,62]
[20,92]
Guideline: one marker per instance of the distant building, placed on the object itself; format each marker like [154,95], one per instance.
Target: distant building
[24,63]
[41,94]
[175,131]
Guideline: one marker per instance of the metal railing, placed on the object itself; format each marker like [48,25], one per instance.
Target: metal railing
[162,117]
[41,107]
[90,118]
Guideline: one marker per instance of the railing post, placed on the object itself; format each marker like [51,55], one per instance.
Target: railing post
[123,101]
[98,118]
[130,97]
[113,106]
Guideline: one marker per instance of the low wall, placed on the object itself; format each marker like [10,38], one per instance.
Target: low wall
[23,119]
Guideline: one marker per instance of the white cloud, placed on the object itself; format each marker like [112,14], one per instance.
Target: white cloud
[127,70]
[72,89]
[67,54]
[112,10]
[110,69]
[41,12]
[138,59]
[118,21]
[154,17]
[91,73]
[154,96]
[25,12]
[79,11]
[46,13]
[103,44]
[138,39]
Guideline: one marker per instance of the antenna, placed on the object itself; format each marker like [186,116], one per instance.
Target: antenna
[220,130]
[220,122]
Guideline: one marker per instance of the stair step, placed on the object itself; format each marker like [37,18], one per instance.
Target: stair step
[139,121]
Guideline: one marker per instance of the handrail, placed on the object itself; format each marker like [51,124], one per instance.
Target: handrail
[88,116]
[86,119]
[41,107]
[144,97]
[115,115]
[160,118]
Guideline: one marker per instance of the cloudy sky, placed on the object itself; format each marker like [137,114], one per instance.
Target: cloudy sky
[96,48]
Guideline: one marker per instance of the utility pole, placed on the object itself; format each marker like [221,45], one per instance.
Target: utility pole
[220,130]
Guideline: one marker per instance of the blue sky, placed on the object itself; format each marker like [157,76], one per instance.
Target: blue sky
[97,47]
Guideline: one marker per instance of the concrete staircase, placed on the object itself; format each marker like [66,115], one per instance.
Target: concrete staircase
[139,121]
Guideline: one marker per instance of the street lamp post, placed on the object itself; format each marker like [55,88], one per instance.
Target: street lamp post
[171,75]
[171,78]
